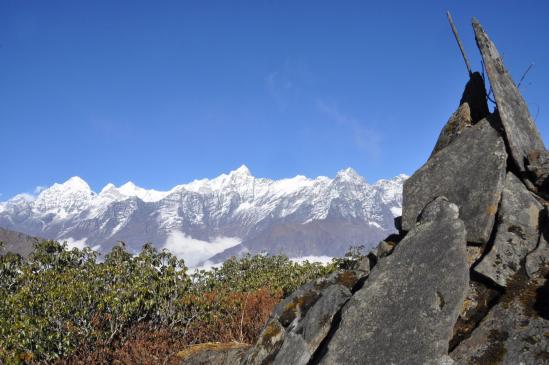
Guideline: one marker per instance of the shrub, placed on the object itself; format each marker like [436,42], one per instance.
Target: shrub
[63,304]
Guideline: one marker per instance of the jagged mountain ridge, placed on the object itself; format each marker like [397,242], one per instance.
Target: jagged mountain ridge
[236,211]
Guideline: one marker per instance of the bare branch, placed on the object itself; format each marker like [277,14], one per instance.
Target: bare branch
[524,74]
[456,35]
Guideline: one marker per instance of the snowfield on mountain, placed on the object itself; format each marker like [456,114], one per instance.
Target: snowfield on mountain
[213,219]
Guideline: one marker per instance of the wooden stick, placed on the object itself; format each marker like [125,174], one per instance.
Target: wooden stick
[456,35]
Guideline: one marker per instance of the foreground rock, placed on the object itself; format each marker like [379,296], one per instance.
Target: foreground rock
[517,233]
[537,262]
[300,323]
[515,331]
[538,169]
[407,308]
[521,133]
[469,172]
[213,353]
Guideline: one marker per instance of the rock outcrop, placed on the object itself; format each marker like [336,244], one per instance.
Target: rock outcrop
[517,233]
[470,171]
[466,280]
[521,133]
[407,308]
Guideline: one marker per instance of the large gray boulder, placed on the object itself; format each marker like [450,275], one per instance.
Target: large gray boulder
[470,172]
[406,310]
[520,131]
[514,332]
[517,232]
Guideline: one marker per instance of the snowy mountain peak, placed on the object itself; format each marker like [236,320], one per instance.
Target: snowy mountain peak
[298,215]
[75,183]
[108,187]
[63,199]
[349,174]
[241,171]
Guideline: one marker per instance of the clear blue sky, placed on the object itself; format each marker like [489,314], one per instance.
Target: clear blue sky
[161,92]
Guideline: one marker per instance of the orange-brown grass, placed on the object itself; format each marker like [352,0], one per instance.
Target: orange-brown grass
[215,317]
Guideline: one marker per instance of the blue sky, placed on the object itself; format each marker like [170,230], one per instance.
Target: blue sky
[161,92]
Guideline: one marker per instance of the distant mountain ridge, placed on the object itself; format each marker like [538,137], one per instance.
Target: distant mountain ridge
[230,214]
[16,242]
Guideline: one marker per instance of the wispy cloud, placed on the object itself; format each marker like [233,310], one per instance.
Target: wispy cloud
[278,87]
[39,189]
[288,83]
[364,137]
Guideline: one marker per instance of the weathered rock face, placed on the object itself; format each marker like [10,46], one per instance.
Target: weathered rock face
[480,298]
[472,108]
[407,308]
[469,172]
[537,262]
[300,323]
[520,131]
[538,168]
[514,332]
[517,232]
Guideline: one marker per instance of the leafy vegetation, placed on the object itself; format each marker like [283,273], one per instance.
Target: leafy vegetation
[62,303]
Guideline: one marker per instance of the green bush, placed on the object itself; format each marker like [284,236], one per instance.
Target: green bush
[60,299]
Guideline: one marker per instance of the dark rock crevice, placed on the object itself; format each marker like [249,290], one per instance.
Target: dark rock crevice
[323,347]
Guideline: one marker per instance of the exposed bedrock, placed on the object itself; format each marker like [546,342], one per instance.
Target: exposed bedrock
[516,235]
[470,172]
[406,310]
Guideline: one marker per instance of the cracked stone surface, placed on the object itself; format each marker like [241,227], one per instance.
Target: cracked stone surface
[406,310]
[517,232]
[515,331]
[470,172]
[299,323]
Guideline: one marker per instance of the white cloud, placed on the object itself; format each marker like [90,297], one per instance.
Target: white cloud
[72,243]
[320,259]
[195,251]
[39,189]
[79,244]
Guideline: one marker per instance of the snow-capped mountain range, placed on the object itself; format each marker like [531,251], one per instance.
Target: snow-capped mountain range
[213,219]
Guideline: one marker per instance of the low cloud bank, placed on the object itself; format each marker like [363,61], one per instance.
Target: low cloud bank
[79,244]
[321,259]
[195,251]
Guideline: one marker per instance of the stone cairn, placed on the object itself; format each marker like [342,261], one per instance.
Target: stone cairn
[465,281]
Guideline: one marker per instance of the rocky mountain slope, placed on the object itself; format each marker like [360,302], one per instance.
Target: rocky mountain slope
[466,280]
[16,242]
[213,219]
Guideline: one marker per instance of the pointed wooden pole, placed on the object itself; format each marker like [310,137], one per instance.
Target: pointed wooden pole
[456,35]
